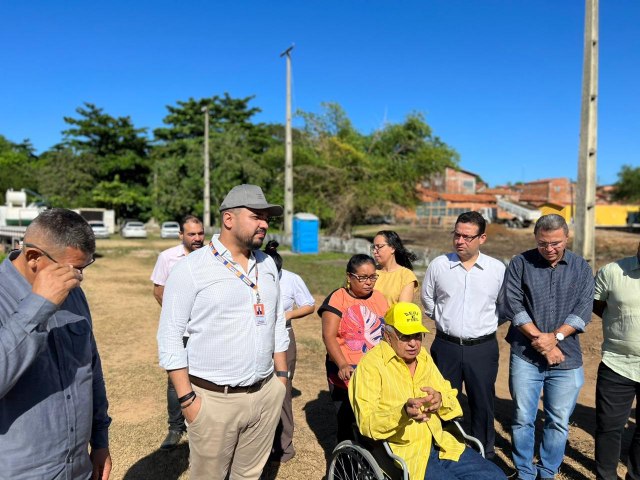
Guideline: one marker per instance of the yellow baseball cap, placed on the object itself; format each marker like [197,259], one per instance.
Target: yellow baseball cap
[405,317]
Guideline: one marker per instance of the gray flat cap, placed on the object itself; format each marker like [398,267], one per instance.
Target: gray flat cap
[249,196]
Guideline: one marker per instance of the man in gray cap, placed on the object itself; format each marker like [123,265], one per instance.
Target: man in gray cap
[227,297]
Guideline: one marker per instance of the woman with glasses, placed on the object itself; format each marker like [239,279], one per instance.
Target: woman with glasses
[297,302]
[352,324]
[396,280]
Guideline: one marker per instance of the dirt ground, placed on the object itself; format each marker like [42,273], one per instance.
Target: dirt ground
[126,315]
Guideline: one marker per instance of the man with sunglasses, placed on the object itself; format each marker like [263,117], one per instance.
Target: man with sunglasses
[399,395]
[460,293]
[548,298]
[53,402]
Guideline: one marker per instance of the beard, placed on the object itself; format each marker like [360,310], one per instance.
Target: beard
[254,242]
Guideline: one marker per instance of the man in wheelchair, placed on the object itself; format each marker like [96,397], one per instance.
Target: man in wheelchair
[398,395]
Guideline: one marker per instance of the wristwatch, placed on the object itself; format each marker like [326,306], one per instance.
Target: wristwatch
[283,373]
[559,336]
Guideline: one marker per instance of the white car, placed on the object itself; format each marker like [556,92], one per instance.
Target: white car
[170,230]
[100,230]
[133,230]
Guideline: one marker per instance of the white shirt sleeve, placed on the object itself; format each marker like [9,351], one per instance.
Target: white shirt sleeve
[179,296]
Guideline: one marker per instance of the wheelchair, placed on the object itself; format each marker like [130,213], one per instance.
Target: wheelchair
[367,459]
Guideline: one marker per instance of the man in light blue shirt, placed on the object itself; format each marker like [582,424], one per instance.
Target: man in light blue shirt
[460,293]
[229,296]
[53,403]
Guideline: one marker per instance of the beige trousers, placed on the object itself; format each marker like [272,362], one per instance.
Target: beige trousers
[233,432]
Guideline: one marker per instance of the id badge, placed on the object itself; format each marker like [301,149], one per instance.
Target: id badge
[258,310]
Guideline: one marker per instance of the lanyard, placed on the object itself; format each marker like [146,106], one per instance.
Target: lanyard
[237,272]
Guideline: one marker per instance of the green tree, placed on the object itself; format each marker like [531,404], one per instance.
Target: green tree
[97,151]
[236,146]
[628,184]
[18,166]
[344,176]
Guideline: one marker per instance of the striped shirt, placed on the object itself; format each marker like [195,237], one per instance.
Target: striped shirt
[534,291]
[378,391]
[228,344]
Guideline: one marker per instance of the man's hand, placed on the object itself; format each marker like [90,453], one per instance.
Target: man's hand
[544,342]
[434,399]
[191,412]
[283,380]
[101,460]
[55,281]
[554,356]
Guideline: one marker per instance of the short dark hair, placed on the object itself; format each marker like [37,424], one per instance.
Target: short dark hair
[62,228]
[474,218]
[357,260]
[188,219]
[403,256]
[551,222]
[271,249]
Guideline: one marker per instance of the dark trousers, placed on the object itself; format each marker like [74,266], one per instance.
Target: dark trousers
[344,413]
[283,450]
[477,367]
[614,398]
[174,413]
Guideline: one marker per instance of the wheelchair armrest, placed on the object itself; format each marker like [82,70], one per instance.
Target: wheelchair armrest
[455,428]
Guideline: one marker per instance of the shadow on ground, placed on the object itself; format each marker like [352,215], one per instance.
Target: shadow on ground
[161,464]
[321,418]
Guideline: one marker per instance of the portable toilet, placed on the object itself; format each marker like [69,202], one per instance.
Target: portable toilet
[306,232]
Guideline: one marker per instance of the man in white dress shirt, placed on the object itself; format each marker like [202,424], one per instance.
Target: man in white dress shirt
[460,293]
[227,296]
[191,238]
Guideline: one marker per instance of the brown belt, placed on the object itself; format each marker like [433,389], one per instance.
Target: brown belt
[214,387]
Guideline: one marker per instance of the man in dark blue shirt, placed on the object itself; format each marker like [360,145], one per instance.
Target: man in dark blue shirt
[53,403]
[548,296]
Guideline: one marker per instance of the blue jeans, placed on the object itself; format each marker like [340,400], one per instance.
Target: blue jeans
[560,389]
[469,466]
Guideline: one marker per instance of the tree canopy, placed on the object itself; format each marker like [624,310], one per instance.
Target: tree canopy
[628,184]
[340,174]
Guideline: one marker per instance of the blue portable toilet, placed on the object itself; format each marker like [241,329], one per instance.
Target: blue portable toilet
[306,232]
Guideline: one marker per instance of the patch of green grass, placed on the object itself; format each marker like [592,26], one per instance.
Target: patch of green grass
[322,273]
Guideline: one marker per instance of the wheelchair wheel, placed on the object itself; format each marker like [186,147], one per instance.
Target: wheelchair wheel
[352,462]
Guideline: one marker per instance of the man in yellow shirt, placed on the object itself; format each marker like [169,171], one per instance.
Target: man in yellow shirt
[398,395]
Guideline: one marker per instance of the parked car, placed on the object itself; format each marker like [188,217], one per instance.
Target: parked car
[133,230]
[100,230]
[170,230]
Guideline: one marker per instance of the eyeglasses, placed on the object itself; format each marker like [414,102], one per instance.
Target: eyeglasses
[375,248]
[407,338]
[364,278]
[466,238]
[31,245]
[545,245]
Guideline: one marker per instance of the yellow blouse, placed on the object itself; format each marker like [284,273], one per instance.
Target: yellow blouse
[390,284]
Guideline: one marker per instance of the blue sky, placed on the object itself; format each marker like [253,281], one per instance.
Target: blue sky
[498,80]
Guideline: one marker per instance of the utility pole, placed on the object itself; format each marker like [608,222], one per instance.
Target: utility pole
[586,195]
[288,158]
[207,182]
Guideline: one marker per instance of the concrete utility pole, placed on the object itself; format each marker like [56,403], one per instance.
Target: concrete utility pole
[207,181]
[288,158]
[586,195]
